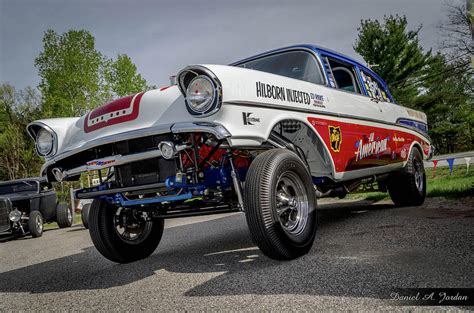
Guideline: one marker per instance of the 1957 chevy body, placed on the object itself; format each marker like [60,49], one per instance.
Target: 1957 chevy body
[267,135]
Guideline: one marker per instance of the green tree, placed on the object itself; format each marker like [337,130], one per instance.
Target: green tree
[70,70]
[123,78]
[17,153]
[447,100]
[75,77]
[394,52]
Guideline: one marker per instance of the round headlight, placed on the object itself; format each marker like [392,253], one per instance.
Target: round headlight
[44,142]
[14,216]
[200,95]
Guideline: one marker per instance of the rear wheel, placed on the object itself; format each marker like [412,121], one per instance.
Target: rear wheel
[280,205]
[35,224]
[64,215]
[408,188]
[123,235]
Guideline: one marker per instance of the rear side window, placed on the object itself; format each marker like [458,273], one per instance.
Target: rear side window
[374,88]
[299,65]
[344,75]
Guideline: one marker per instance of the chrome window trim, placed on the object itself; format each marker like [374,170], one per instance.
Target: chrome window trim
[310,51]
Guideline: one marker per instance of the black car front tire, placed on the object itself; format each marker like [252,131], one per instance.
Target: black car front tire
[280,204]
[118,247]
[35,224]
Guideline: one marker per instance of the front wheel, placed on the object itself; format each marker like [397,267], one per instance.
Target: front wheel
[35,224]
[123,235]
[280,204]
[408,188]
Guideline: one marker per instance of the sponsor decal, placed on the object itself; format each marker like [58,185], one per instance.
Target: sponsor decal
[398,139]
[270,91]
[365,146]
[318,100]
[248,119]
[99,164]
[371,147]
[118,111]
[403,153]
[335,137]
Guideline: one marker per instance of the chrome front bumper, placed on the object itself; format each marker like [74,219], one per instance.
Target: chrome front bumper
[219,131]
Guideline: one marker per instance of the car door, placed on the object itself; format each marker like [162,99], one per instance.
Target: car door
[47,201]
[363,140]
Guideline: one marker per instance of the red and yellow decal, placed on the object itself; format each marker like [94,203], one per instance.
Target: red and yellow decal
[355,146]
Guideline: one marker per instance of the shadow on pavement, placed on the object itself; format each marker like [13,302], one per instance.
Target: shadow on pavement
[346,260]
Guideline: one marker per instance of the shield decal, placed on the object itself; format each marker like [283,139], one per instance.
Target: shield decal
[335,138]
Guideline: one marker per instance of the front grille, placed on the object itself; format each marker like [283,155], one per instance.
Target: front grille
[137,173]
[5,207]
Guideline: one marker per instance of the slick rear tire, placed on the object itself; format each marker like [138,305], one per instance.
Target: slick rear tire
[280,205]
[115,246]
[64,215]
[85,215]
[408,188]
[35,224]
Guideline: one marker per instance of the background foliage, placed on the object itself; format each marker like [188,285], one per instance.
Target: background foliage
[75,77]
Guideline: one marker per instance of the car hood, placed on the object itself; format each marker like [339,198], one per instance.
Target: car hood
[140,111]
[18,196]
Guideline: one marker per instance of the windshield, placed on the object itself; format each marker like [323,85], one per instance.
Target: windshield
[294,64]
[18,187]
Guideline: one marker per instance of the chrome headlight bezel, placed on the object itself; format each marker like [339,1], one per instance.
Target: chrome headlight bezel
[35,129]
[14,216]
[190,74]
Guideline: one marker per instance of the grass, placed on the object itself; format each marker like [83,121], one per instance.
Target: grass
[439,183]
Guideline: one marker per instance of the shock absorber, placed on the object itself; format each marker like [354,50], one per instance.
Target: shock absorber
[236,181]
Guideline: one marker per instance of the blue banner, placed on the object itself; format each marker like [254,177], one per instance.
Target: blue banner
[450,163]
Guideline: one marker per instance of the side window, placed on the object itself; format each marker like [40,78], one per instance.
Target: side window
[344,75]
[374,88]
[294,64]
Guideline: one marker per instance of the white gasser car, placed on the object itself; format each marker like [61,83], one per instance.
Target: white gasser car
[267,135]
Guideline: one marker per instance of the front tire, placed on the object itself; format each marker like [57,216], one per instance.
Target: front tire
[121,234]
[35,224]
[280,205]
[408,188]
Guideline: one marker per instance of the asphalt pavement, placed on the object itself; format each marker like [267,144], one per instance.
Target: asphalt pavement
[361,254]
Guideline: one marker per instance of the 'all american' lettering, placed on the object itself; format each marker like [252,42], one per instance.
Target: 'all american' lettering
[371,148]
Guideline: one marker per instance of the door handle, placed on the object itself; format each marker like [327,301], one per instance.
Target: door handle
[375,100]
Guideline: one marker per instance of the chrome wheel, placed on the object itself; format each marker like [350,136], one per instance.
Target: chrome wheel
[292,203]
[132,226]
[419,173]
[69,215]
[39,223]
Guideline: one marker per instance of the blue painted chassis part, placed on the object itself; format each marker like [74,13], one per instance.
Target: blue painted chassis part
[180,190]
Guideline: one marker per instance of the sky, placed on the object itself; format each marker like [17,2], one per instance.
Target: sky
[162,37]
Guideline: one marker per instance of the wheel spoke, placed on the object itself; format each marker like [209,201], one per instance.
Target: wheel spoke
[282,210]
